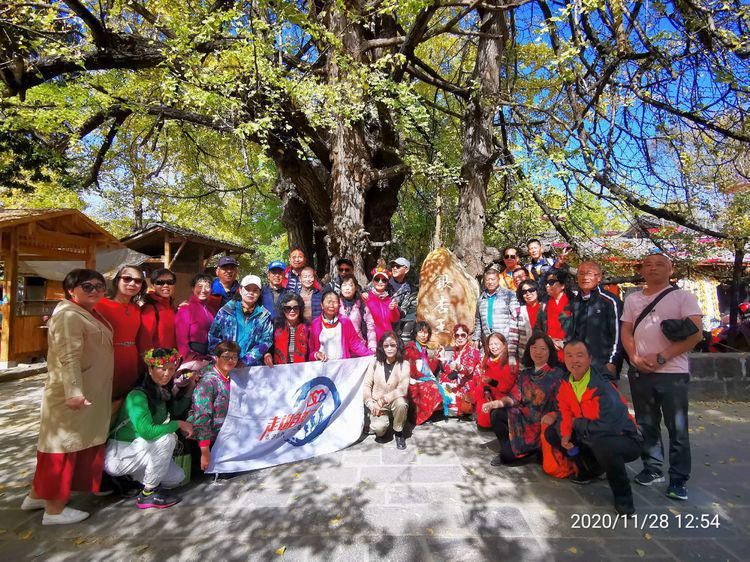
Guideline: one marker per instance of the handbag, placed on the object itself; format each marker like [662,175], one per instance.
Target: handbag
[181,457]
[678,330]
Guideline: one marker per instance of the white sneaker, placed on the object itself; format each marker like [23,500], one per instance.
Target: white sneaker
[67,516]
[30,504]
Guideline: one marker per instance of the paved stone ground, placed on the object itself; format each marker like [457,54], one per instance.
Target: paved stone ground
[439,500]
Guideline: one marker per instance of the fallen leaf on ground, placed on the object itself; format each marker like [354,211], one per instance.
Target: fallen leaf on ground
[280,551]
[430,531]
[647,536]
[674,511]
[2,531]
[297,475]
[25,535]
[573,550]
[336,520]
[732,459]
[141,548]
[79,540]
[640,552]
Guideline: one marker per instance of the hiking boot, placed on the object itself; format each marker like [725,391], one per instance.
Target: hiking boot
[645,477]
[156,498]
[677,491]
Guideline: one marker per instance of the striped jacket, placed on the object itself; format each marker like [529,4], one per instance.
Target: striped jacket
[503,318]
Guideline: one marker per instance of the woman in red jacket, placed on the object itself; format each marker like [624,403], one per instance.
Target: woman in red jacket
[158,313]
[290,334]
[424,368]
[383,308]
[496,380]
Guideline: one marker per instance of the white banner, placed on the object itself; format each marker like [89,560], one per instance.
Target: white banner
[287,413]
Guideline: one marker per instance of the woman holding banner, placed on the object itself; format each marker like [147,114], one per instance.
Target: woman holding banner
[333,336]
[211,398]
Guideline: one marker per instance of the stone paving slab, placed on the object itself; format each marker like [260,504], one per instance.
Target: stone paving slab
[439,500]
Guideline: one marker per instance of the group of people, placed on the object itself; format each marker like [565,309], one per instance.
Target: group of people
[133,373]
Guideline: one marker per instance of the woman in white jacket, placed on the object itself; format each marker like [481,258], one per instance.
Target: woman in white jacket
[385,388]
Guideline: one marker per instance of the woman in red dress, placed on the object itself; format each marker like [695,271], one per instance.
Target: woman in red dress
[496,380]
[125,318]
[424,367]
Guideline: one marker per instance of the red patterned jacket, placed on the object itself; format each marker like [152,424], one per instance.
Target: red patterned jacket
[281,345]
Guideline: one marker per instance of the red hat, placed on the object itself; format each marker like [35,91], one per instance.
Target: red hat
[382,271]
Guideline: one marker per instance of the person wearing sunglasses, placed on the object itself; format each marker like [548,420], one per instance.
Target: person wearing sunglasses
[511,260]
[124,315]
[344,271]
[76,402]
[385,387]
[458,374]
[528,295]
[291,334]
[555,318]
[246,322]
[158,312]
[383,307]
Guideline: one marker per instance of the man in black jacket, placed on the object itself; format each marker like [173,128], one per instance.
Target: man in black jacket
[596,320]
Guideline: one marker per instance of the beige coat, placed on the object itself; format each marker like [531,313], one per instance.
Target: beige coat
[375,386]
[80,362]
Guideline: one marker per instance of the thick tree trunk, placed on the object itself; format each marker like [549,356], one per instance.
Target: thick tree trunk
[296,216]
[479,152]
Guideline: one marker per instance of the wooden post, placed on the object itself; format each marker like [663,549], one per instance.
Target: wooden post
[201,259]
[91,256]
[167,250]
[10,288]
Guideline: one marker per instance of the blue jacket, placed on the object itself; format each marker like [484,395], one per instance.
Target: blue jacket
[257,331]
[269,299]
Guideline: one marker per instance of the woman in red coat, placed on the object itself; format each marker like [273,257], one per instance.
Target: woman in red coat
[425,367]
[496,380]
[124,316]
[158,313]
[290,334]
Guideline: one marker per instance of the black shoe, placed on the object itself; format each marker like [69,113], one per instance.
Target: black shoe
[582,479]
[497,460]
[646,477]
[625,507]
[157,498]
[400,442]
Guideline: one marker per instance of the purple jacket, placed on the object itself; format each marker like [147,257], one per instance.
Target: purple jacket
[191,325]
[351,343]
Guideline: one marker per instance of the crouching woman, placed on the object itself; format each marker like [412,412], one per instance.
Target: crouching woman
[142,441]
[385,387]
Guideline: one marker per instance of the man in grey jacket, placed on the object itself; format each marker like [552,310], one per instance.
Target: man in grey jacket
[496,312]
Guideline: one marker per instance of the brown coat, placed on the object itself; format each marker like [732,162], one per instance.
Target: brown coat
[376,387]
[80,362]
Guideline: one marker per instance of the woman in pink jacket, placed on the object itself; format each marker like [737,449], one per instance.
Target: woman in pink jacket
[333,336]
[353,306]
[383,308]
[193,321]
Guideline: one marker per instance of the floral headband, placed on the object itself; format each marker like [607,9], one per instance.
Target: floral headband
[161,362]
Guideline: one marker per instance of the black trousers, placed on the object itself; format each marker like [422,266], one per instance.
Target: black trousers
[657,395]
[499,421]
[604,454]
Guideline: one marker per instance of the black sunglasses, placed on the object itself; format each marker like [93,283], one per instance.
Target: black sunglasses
[510,256]
[527,291]
[92,287]
[290,308]
[161,282]
[551,281]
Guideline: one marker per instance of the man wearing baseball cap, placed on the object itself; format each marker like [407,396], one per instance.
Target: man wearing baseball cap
[274,289]
[244,322]
[225,285]
[400,290]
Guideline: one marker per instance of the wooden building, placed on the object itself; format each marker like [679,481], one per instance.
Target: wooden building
[59,235]
[185,252]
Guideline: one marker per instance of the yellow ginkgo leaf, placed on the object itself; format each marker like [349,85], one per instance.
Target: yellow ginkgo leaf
[573,550]
[79,540]
[336,520]
[640,552]
[430,531]
[280,551]
[647,536]
[25,535]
